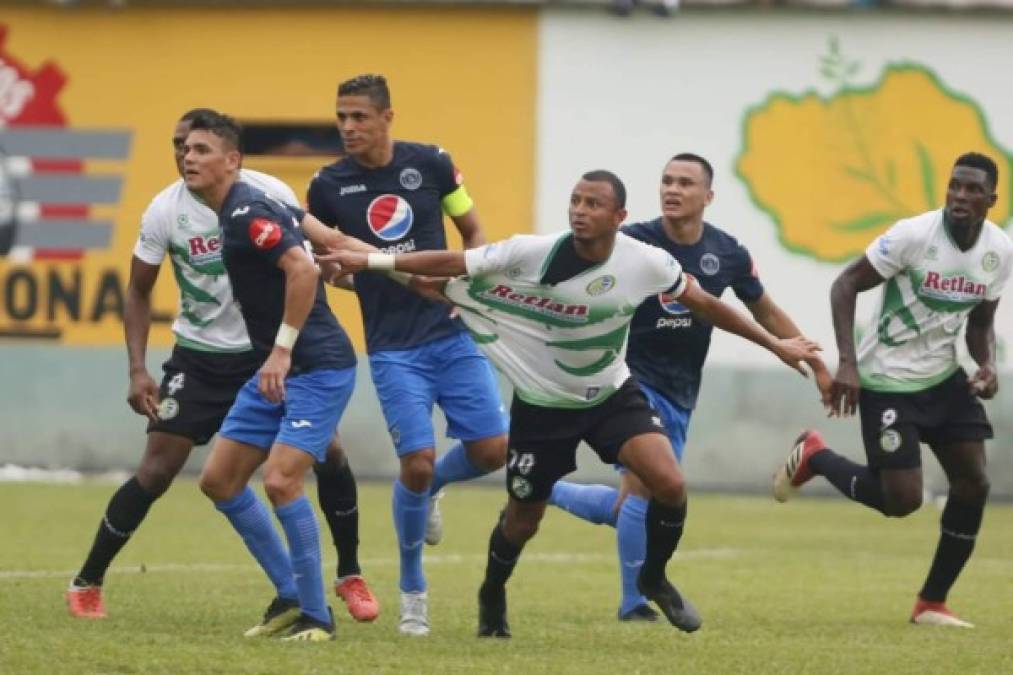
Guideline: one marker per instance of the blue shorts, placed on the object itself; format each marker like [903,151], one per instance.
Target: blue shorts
[450,372]
[306,419]
[674,418]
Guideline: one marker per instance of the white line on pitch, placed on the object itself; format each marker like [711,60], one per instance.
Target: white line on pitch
[547,558]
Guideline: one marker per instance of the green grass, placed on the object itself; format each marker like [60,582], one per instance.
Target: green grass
[815,586]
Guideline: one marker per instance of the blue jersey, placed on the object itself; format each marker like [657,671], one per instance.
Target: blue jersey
[397,208]
[256,231]
[668,345]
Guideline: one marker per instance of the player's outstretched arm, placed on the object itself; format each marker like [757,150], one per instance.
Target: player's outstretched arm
[143,392]
[857,277]
[980,339]
[776,321]
[327,238]
[429,263]
[300,293]
[792,351]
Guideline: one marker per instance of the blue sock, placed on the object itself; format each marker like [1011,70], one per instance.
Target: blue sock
[303,534]
[411,509]
[593,503]
[631,540]
[251,519]
[454,466]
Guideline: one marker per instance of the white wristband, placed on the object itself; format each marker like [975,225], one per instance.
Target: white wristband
[286,336]
[380,261]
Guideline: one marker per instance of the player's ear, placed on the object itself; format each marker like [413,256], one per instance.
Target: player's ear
[709,198]
[388,115]
[620,216]
[234,160]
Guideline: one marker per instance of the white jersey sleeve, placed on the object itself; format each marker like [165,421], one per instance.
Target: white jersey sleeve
[271,185]
[493,257]
[891,252]
[663,272]
[156,231]
[996,287]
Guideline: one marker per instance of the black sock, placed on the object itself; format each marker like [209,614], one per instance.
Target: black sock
[664,530]
[959,528]
[127,508]
[503,556]
[339,501]
[855,481]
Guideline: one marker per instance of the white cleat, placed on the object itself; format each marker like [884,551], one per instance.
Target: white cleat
[434,523]
[932,617]
[414,613]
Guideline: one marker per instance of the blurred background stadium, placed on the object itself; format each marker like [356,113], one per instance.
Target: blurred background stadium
[825,120]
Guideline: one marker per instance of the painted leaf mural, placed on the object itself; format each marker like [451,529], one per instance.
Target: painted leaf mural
[834,172]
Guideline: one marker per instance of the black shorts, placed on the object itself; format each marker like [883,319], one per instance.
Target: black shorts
[198,389]
[543,441]
[894,424]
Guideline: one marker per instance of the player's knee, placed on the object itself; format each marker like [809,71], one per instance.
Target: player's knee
[901,504]
[280,487]
[521,528]
[490,454]
[670,490]
[417,470]
[336,454]
[215,485]
[156,479]
[971,490]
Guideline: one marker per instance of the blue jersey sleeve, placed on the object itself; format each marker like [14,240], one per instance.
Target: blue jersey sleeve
[266,230]
[746,282]
[448,178]
[318,204]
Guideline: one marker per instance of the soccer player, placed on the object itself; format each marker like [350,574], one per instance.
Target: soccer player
[941,269]
[285,415]
[667,350]
[553,312]
[393,195]
[211,360]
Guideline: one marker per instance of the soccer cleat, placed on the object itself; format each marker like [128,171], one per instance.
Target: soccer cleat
[928,613]
[308,629]
[679,611]
[280,614]
[434,523]
[361,602]
[85,602]
[414,613]
[795,471]
[640,613]
[492,613]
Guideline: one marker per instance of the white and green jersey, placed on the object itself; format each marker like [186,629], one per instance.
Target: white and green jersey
[931,286]
[179,224]
[561,345]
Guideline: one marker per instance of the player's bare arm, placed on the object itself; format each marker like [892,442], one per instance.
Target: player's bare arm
[980,339]
[143,392]
[470,228]
[792,351]
[776,321]
[300,291]
[856,278]
[326,238]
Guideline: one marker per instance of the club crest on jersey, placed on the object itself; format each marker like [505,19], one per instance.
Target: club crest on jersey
[990,261]
[601,285]
[389,217]
[709,264]
[265,234]
[411,179]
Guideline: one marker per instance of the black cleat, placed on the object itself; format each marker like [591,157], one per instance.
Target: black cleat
[639,614]
[679,611]
[492,613]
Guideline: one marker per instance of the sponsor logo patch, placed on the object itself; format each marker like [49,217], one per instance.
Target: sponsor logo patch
[521,487]
[265,234]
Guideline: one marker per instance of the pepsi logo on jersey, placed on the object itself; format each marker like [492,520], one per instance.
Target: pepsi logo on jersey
[390,217]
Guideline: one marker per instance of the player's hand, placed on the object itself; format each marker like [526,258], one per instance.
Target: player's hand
[430,288]
[350,261]
[143,395]
[272,374]
[794,351]
[844,390]
[332,273]
[984,383]
[825,384]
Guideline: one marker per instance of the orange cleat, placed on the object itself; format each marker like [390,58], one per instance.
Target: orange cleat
[927,613]
[85,602]
[361,602]
[795,471]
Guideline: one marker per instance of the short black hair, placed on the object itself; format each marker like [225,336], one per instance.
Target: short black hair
[222,126]
[374,87]
[603,176]
[189,115]
[976,160]
[691,157]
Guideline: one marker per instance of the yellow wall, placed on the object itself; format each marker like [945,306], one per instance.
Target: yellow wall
[464,79]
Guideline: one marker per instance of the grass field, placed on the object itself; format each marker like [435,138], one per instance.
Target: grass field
[814,586]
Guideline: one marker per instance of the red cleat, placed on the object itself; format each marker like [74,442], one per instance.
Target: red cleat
[795,471]
[927,613]
[361,602]
[85,602]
